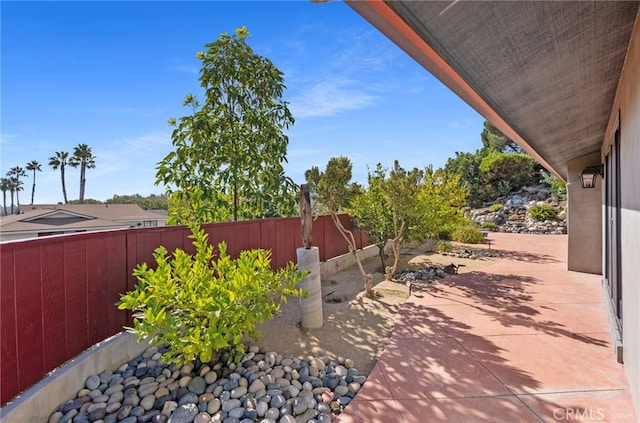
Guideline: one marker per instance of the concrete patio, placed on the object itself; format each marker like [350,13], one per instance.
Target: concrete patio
[522,340]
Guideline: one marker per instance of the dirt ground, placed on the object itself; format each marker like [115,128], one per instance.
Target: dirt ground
[356,327]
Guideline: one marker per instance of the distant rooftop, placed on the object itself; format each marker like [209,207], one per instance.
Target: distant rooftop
[47,219]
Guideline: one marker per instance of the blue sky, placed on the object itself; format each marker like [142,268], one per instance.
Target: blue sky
[110,74]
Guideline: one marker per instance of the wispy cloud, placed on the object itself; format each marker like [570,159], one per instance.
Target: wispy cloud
[350,77]
[462,124]
[143,145]
[140,152]
[7,138]
[331,97]
[188,69]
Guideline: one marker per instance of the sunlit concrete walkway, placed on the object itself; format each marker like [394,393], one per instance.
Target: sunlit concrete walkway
[522,340]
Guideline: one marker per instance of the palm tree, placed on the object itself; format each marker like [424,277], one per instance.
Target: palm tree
[14,174]
[60,160]
[35,166]
[18,186]
[82,157]
[5,185]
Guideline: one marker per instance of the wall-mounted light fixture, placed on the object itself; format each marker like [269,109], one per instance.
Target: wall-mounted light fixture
[589,176]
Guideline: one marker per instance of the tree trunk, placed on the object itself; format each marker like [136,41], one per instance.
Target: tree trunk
[12,201]
[348,236]
[306,219]
[33,189]
[64,188]
[235,201]
[83,168]
[396,258]
[382,259]
[4,203]
[395,247]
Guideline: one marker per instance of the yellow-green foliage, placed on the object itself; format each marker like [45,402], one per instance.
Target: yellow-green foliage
[468,234]
[200,304]
[444,246]
[490,226]
[496,207]
[542,212]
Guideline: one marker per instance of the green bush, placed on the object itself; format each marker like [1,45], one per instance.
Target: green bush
[496,207]
[444,246]
[199,304]
[542,212]
[490,226]
[508,170]
[445,234]
[468,234]
[556,185]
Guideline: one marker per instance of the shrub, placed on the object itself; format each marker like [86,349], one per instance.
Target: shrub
[445,234]
[198,304]
[556,185]
[444,246]
[468,234]
[508,170]
[490,226]
[496,207]
[542,212]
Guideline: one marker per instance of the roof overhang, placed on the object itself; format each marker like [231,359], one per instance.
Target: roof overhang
[543,72]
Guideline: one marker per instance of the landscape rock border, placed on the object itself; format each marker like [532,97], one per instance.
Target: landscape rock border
[264,386]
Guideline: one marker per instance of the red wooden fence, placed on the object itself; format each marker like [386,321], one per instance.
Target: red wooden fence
[58,294]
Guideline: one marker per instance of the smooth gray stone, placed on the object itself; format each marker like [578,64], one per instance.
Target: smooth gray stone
[287,419]
[189,398]
[184,414]
[197,385]
[92,382]
[277,401]
[272,413]
[229,405]
[237,413]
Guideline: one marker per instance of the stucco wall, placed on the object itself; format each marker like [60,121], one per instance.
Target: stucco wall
[584,218]
[628,103]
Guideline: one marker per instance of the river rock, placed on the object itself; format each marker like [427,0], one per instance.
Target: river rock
[184,414]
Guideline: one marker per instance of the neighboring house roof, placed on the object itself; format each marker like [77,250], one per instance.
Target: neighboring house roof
[69,217]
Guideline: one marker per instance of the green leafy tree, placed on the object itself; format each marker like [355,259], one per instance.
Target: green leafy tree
[60,161]
[152,202]
[82,157]
[467,167]
[34,166]
[14,174]
[335,191]
[556,185]
[5,185]
[440,202]
[402,189]
[494,140]
[200,304]
[371,211]
[86,201]
[230,150]
[312,176]
[512,170]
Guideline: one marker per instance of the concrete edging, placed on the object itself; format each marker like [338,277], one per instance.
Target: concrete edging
[39,401]
[338,264]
